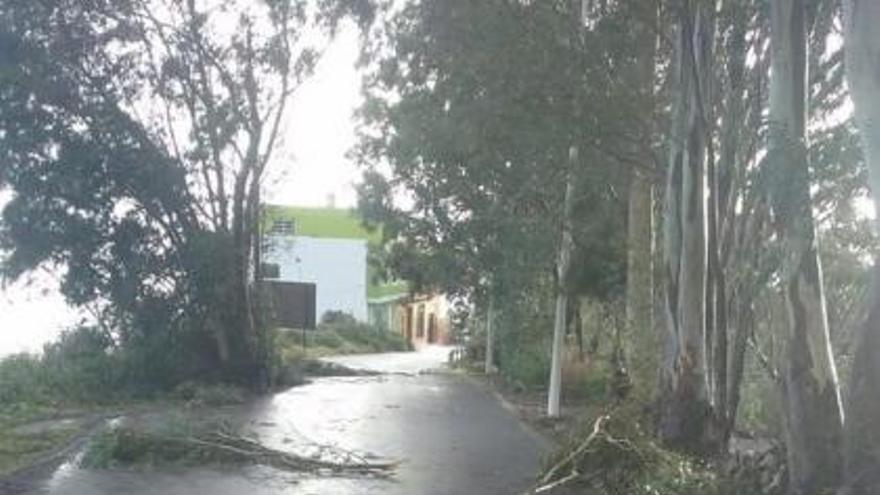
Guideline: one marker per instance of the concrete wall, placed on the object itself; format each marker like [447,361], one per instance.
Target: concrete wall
[337,267]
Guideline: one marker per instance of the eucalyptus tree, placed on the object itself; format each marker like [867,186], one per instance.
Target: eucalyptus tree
[643,174]
[685,415]
[813,414]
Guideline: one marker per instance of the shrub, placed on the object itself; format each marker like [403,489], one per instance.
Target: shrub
[81,365]
[22,379]
[213,394]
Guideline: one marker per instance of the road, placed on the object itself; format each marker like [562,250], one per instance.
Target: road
[452,436]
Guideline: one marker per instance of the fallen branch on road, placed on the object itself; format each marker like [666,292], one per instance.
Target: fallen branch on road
[127,446]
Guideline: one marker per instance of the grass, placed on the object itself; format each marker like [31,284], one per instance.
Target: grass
[293,360]
[337,339]
[18,450]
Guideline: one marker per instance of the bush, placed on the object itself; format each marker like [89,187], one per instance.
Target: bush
[80,366]
[22,379]
[203,394]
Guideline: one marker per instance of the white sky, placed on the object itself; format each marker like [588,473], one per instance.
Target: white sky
[309,167]
[312,165]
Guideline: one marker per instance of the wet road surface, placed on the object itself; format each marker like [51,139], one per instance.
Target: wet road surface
[451,435]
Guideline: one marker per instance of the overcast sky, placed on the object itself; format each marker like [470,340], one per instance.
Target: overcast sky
[310,167]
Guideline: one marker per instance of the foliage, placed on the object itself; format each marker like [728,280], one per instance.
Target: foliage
[21,379]
[194,443]
[202,394]
[79,367]
[616,453]
[338,333]
[475,120]
[134,138]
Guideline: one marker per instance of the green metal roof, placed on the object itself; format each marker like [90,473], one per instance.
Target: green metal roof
[328,223]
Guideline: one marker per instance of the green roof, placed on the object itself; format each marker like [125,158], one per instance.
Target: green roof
[328,223]
[387,290]
[334,223]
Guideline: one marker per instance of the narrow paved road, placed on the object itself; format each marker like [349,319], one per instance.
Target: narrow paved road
[452,436]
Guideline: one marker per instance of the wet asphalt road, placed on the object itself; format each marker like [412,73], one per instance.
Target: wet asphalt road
[452,437]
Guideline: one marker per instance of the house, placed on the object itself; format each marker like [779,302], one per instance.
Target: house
[323,246]
[328,247]
[424,320]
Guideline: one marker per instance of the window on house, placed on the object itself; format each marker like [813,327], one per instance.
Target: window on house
[284,227]
[270,270]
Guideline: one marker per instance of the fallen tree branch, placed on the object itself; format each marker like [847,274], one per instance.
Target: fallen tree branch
[221,446]
[556,484]
[574,454]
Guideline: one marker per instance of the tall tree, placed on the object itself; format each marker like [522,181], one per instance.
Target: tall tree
[563,271]
[492,97]
[813,414]
[121,89]
[685,413]
[640,208]
[862,48]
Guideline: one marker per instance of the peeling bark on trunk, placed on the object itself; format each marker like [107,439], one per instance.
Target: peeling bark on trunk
[810,389]
[862,438]
[684,402]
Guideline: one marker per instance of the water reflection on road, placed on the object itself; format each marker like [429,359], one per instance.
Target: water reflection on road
[450,434]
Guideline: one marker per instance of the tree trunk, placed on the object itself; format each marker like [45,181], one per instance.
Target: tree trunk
[566,246]
[743,325]
[490,340]
[810,390]
[639,274]
[684,399]
[862,438]
[640,220]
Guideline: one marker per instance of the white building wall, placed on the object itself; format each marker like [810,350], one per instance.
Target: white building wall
[337,267]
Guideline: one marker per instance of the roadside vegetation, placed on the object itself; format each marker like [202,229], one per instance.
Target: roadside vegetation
[85,369]
[652,215]
[660,206]
[199,443]
[83,375]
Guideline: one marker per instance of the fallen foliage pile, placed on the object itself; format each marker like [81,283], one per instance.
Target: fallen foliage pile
[617,455]
[122,446]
